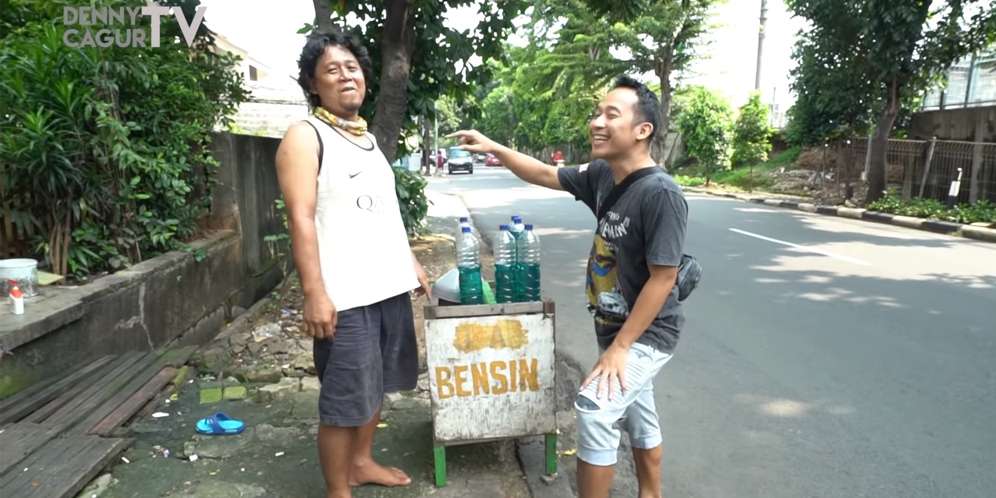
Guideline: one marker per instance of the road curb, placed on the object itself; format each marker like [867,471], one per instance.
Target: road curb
[977,231]
[941,226]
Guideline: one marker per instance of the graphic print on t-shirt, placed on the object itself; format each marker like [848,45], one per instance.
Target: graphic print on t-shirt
[602,283]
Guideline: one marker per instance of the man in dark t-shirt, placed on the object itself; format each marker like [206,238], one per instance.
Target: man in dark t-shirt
[630,281]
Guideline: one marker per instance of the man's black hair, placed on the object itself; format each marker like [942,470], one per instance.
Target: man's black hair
[647,105]
[312,52]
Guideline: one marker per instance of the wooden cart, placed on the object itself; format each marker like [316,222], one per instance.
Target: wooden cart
[492,375]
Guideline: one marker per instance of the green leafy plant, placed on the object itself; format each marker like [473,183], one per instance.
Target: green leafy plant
[706,124]
[981,211]
[689,181]
[105,152]
[752,133]
[410,189]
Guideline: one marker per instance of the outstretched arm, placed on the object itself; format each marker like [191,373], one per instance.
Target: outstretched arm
[525,167]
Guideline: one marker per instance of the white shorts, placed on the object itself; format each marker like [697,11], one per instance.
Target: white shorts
[599,418]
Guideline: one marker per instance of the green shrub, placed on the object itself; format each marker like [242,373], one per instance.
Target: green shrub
[689,181]
[410,188]
[706,124]
[105,152]
[981,211]
[752,134]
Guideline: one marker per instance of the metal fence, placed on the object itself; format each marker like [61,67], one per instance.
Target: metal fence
[921,168]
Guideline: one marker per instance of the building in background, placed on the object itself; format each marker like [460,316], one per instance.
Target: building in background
[275,101]
[971,82]
[965,107]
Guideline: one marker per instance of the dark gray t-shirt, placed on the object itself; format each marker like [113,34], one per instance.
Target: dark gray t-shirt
[645,226]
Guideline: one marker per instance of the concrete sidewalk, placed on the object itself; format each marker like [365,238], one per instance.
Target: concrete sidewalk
[259,370]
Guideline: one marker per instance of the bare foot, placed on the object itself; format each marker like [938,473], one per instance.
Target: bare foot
[371,472]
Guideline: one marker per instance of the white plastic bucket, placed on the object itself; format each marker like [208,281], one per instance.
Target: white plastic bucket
[23,271]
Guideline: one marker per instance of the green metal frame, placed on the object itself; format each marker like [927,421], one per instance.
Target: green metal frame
[439,459]
[551,454]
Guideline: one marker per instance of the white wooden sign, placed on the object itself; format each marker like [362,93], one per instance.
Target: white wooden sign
[491,376]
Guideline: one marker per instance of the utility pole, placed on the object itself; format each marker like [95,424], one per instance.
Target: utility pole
[760,43]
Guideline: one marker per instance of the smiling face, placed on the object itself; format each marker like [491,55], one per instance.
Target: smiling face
[339,82]
[616,128]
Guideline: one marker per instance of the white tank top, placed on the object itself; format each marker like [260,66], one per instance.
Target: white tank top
[362,244]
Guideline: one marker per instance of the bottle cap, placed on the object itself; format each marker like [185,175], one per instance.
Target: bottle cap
[464,219]
[503,226]
[465,229]
[516,219]
[529,226]
[15,292]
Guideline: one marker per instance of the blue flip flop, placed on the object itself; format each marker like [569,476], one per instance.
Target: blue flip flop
[220,424]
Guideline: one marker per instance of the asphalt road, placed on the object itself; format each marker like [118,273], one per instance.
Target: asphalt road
[821,357]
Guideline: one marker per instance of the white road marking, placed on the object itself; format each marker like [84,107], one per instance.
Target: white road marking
[804,248]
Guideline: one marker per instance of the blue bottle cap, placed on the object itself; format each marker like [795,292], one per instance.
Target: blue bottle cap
[465,230]
[464,219]
[503,226]
[516,219]
[529,226]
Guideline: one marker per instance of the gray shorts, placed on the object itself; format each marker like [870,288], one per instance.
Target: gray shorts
[373,352]
[599,418]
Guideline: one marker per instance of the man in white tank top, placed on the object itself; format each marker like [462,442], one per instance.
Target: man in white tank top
[352,254]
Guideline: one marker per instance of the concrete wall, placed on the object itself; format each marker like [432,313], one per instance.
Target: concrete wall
[269,118]
[178,296]
[974,124]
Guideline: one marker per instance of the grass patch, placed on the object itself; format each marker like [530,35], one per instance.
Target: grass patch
[689,181]
[694,176]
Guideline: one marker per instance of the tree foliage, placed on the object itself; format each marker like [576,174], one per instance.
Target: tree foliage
[706,124]
[752,133]
[862,59]
[589,42]
[105,152]
[429,59]
[514,112]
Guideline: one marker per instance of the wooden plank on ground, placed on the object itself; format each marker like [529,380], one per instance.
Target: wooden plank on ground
[113,398]
[19,440]
[103,422]
[86,402]
[115,369]
[23,403]
[61,467]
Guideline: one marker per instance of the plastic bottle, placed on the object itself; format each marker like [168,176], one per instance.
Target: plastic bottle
[505,265]
[469,266]
[18,297]
[464,222]
[528,266]
[516,227]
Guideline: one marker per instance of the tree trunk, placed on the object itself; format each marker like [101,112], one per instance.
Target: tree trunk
[323,16]
[397,45]
[659,147]
[880,144]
